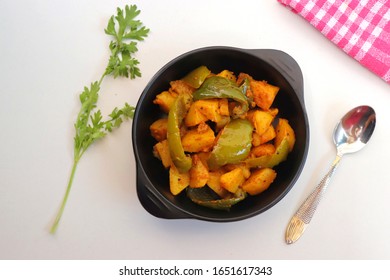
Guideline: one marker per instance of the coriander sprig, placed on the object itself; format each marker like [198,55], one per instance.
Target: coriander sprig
[122,47]
[89,125]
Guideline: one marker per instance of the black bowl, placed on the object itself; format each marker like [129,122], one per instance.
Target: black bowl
[274,66]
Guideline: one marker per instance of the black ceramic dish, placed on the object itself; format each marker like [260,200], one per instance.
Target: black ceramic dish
[274,66]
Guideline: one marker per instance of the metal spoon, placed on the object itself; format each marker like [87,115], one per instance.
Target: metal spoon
[350,135]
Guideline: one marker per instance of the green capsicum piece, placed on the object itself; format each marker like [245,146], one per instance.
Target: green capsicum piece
[270,161]
[233,145]
[197,76]
[244,87]
[220,87]
[207,198]
[176,114]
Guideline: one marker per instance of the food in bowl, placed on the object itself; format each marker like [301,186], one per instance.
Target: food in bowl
[220,136]
[152,179]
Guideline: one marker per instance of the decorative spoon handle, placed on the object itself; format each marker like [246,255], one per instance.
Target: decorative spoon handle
[302,217]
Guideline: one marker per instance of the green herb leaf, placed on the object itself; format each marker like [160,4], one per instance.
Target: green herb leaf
[89,125]
[125,28]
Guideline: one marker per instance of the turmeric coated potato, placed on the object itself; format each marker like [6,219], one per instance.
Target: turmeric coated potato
[164,100]
[232,180]
[214,183]
[259,181]
[199,174]
[263,150]
[261,120]
[158,129]
[178,181]
[263,93]
[162,152]
[199,139]
[284,130]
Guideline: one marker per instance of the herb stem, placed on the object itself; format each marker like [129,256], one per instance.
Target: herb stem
[89,124]
[101,79]
[61,210]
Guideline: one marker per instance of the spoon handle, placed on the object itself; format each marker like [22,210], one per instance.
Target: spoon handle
[302,217]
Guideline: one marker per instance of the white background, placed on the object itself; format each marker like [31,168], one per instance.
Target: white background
[50,50]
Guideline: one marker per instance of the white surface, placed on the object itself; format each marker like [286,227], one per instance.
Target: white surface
[51,49]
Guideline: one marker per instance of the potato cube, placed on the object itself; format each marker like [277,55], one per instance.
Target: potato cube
[200,139]
[255,139]
[158,129]
[178,181]
[267,136]
[263,93]
[164,100]
[273,111]
[204,156]
[263,150]
[199,174]
[163,153]
[228,75]
[209,108]
[223,108]
[232,180]
[181,87]
[194,117]
[214,183]
[241,78]
[245,169]
[261,120]
[259,181]
[284,130]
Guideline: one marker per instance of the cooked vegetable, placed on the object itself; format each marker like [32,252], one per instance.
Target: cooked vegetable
[245,169]
[199,174]
[163,153]
[197,76]
[263,150]
[215,110]
[158,129]
[228,75]
[89,124]
[263,93]
[165,100]
[261,120]
[182,161]
[285,131]
[194,116]
[200,139]
[222,140]
[280,155]
[284,143]
[232,180]
[233,145]
[209,108]
[207,198]
[267,136]
[220,87]
[214,183]
[180,87]
[259,181]
[178,181]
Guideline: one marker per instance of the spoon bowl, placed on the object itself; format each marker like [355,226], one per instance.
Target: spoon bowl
[354,130]
[350,135]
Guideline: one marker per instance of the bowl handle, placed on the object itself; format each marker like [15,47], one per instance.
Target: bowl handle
[286,65]
[152,201]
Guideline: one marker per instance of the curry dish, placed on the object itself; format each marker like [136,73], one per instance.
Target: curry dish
[221,136]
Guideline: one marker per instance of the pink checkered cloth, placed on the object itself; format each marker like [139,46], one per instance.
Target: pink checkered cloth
[361,28]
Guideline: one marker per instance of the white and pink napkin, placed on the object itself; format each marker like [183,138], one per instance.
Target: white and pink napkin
[361,28]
